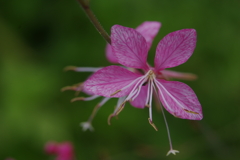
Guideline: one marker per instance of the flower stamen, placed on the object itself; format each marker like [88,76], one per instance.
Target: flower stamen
[164,117]
[82,69]
[119,103]
[85,98]
[115,92]
[121,108]
[138,80]
[190,111]
[88,124]
[76,87]
[109,118]
[152,124]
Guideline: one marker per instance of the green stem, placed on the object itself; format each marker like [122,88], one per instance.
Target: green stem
[93,19]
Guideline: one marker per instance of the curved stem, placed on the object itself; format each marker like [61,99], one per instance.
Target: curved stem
[93,19]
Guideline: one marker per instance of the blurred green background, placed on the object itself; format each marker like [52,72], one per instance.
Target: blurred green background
[39,38]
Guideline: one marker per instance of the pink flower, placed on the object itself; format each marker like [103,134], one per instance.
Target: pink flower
[63,151]
[130,49]
[149,30]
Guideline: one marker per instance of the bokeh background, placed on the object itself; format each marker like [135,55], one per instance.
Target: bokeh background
[39,38]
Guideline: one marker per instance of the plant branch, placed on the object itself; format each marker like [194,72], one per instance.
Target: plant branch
[93,19]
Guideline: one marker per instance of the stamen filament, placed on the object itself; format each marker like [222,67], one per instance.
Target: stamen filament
[104,101]
[121,108]
[134,90]
[120,101]
[87,69]
[109,118]
[96,108]
[85,98]
[165,120]
[139,89]
[148,94]
[152,124]
[139,79]
[150,99]
[88,124]
[161,86]
[82,69]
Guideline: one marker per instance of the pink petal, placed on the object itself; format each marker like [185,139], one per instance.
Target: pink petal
[179,75]
[179,100]
[149,30]
[140,100]
[110,79]
[129,47]
[109,54]
[175,49]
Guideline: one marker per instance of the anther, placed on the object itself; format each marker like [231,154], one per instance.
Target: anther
[109,118]
[115,92]
[70,68]
[78,99]
[120,109]
[190,111]
[68,88]
[152,124]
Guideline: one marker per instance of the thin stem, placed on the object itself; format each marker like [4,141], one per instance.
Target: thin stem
[93,19]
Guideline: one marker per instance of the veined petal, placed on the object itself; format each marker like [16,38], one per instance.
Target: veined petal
[140,100]
[129,46]
[179,99]
[149,30]
[110,79]
[110,55]
[175,49]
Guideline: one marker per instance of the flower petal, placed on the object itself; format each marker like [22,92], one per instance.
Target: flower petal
[179,100]
[149,30]
[110,55]
[140,100]
[129,46]
[175,49]
[110,79]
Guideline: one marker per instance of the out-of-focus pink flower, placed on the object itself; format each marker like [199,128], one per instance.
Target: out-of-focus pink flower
[63,151]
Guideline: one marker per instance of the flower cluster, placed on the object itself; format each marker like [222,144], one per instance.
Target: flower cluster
[136,81]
